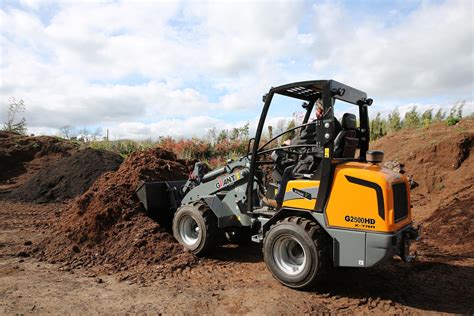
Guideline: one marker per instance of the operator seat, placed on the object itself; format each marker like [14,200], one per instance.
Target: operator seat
[307,135]
[346,141]
[308,162]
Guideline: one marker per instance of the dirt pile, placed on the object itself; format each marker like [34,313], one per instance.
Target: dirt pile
[20,154]
[67,177]
[452,224]
[440,160]
[106,228]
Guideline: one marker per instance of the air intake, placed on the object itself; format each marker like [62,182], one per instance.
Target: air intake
[400,201]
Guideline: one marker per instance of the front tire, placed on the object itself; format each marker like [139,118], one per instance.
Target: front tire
[297,252]
[195,227]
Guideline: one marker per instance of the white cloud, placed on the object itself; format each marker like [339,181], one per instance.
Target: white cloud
[207,64]
[429,52]
[186,127]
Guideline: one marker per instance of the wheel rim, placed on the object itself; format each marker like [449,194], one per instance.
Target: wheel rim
[289,255]
[189,230]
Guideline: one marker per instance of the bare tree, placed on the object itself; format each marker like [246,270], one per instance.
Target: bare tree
[86,135]
[68,131]
[212,135]
[97,134]
[15,122]
[281,126]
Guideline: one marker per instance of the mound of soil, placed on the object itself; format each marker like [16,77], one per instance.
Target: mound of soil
[452,225]
[67,177]
[440,160]
[20,154]
[106,228]
[431,154]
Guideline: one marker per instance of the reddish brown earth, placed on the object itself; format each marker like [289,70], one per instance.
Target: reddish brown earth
[441,161]
[107,229]
[47,169]
[67,177]
[233,280]
[22,156]
[100,253]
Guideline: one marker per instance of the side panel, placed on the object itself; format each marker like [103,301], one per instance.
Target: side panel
[362,198]
[359,248]
[380,247]
[301,194]
[349,248]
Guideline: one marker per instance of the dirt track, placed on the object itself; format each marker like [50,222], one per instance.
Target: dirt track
[235,280]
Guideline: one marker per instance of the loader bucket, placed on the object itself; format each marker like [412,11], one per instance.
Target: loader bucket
[161,199]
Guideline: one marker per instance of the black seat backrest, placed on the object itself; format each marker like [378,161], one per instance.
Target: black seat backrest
[346,141]
[306,164]
[307,135]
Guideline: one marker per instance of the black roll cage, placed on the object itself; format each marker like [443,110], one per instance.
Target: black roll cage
[311,91]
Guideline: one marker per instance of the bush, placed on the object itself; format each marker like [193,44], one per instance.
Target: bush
[452,121]
[455,114]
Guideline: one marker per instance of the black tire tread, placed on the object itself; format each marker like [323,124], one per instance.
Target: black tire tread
[323,245]
[210,222]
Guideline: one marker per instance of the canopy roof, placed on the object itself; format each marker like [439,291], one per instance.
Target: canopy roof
[311,90]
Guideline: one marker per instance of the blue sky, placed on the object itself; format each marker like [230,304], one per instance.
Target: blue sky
[146,69]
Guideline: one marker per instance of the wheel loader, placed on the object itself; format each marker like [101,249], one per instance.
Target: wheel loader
[338,206]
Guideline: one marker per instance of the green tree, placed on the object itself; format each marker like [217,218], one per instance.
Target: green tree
[456,110]
[223,136]
[378,127]
[15,121]
[426,117]
[455,115]
[440,115]
[234,134]
[244,131]
[239,133]
[394,121]
[412,119]
[460,108]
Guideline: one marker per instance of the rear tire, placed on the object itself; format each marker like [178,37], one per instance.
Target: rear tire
[195,227]
[297,252]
